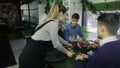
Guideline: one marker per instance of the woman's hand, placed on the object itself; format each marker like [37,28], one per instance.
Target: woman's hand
[70,54]
[68,46]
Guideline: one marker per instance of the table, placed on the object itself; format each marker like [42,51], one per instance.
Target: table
[69,62]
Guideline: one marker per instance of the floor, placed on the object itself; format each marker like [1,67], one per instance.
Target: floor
[17,46]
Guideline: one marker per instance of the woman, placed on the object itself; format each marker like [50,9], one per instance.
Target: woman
[33,55]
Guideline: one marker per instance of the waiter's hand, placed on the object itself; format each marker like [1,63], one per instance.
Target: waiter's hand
[70,54]
[68,46]
[71,50]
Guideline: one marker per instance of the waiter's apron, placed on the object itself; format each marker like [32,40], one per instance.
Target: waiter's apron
[33,55]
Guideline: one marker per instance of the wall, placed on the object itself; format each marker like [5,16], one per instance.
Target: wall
[32,12]
[41,10]
[74,6]
[101,1]
[9,14]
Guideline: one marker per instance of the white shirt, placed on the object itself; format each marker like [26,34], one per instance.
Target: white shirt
[106,40]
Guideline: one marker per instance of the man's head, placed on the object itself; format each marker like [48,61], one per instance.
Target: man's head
[108,24]
[75,18]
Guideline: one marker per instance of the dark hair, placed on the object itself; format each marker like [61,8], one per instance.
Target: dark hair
[47,8]
[111,21]
[75,16]
[62,9]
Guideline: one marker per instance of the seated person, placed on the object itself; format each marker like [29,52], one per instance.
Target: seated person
[72,31]
[108,55]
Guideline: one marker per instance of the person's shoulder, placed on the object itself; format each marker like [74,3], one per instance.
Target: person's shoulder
[110,46]
[67,25]
[78,25]
[53,22]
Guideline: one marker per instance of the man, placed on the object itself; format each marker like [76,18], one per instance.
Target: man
[108,55]
[73,31]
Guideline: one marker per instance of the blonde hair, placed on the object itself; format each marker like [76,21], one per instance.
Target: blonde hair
[53,13]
